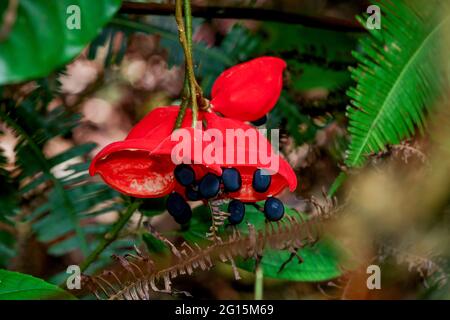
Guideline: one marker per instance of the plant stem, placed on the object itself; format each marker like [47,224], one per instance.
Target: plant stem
[188,23]
[185,36]
[337,184]
[259,282]
[110,236]
[181,113]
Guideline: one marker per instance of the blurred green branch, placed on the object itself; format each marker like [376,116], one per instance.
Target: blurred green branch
[110,236]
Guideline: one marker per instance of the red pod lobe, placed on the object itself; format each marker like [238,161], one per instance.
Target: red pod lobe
[141,165]
[249,90]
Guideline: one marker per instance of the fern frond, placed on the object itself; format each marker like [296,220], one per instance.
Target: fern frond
[65,196]
[400,74]
[139,275]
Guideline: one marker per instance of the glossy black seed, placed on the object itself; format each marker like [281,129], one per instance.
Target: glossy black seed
[273,209]
[231,179]
[209,186]
[260,121]
[192,194]
[183,219]
[261,182]
[184,174]
[237,211]
[178,208]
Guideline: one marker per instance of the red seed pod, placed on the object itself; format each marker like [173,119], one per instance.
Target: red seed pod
[141,165]
[249,90]
[248,151]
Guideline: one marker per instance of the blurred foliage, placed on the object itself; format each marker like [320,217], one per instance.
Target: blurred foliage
[50,209]
[316,58]
[41,46]
[17,286]
[71,197]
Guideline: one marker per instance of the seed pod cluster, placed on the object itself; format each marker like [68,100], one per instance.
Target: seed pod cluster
[142,165]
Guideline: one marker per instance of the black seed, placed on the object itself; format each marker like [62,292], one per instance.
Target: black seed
[178,208]
[273,209]
[209,186]
[183,219]
[231,179]
[260,121]
[261,182]
[237,211]
[192,194]
[184,174]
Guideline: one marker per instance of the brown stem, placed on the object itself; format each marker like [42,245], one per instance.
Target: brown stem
[217,12]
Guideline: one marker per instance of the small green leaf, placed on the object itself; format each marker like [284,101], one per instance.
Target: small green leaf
[19,286]
[320,261]
[40,39]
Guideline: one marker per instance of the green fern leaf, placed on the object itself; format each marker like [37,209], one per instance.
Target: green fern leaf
[71,198]
[398,77]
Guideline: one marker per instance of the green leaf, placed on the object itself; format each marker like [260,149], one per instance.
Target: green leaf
[320,262]
[40,40]
[19,286]
[398,77]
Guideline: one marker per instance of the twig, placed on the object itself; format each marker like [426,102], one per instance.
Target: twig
[110,236]
[246,13]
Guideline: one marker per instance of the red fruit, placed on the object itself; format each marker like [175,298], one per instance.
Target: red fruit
[249,90]
[283,177]
[141,165]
